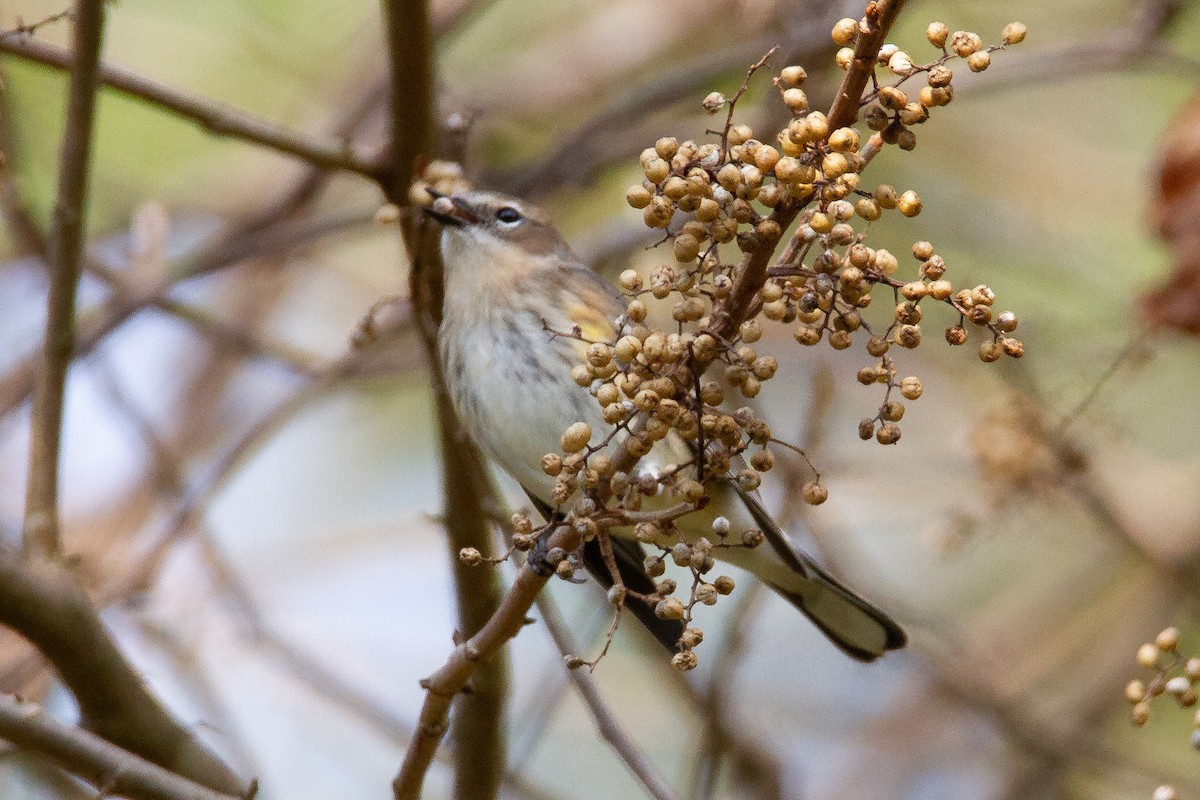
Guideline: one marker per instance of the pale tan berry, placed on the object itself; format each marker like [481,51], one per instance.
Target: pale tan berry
[793,75]
[1014,33]
[638,196]
[978,62]
[937,33]
[762,460]
[885,262]
[576,437]
[686,248]
[892,98]
[818,125]
[940,289]
[940,75]
[796,100]
[844,140]
[753,538]
[885,195]
[844,31]
[713,102]
[888,433]
[867,208]
[750,331]
[657,169]
[685,661]
[815,493]
[666,147]
[909,204]
[964,43]
[1135,691]
[913,114]
[1167,639]
[670,608]
[552,464]
[630,280]
[899,63]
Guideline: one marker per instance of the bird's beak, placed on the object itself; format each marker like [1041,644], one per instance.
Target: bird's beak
[450,209]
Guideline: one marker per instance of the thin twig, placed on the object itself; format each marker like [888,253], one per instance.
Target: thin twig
[41,534]
[606,721]
[614,133]
[410,51]
[110,769]
[43,602]
[218,118]
[27,29]
[95,325]
[716,695]
[443,686]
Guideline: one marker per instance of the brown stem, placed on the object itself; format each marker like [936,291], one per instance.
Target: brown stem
[411,54]
[444,685]
[42,601]
[107,767]
[41,534]
[218,118]
[479,725]
[872,31]
[606,721]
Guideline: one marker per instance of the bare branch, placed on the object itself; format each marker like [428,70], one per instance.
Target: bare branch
[606,721]
[43,602]
[218,118]
[443,686]
[410,51]
[110,769]
[880,17]
[41,534]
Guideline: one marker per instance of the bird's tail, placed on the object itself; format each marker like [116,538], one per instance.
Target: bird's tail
[857,627]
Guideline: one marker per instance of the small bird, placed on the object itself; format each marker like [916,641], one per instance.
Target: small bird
[511,281]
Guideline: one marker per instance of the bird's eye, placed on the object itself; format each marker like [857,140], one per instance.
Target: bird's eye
[508,215]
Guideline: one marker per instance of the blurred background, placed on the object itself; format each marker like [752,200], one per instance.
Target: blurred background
[255,503]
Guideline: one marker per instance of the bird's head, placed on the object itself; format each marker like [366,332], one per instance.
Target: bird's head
[494,233]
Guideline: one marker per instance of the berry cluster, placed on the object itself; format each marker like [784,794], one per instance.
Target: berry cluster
[733,191]
[1173,674]
[725,207]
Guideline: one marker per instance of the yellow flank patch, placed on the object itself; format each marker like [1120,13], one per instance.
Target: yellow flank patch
[592,322]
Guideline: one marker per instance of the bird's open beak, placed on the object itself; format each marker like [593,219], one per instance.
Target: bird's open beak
[449,209]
